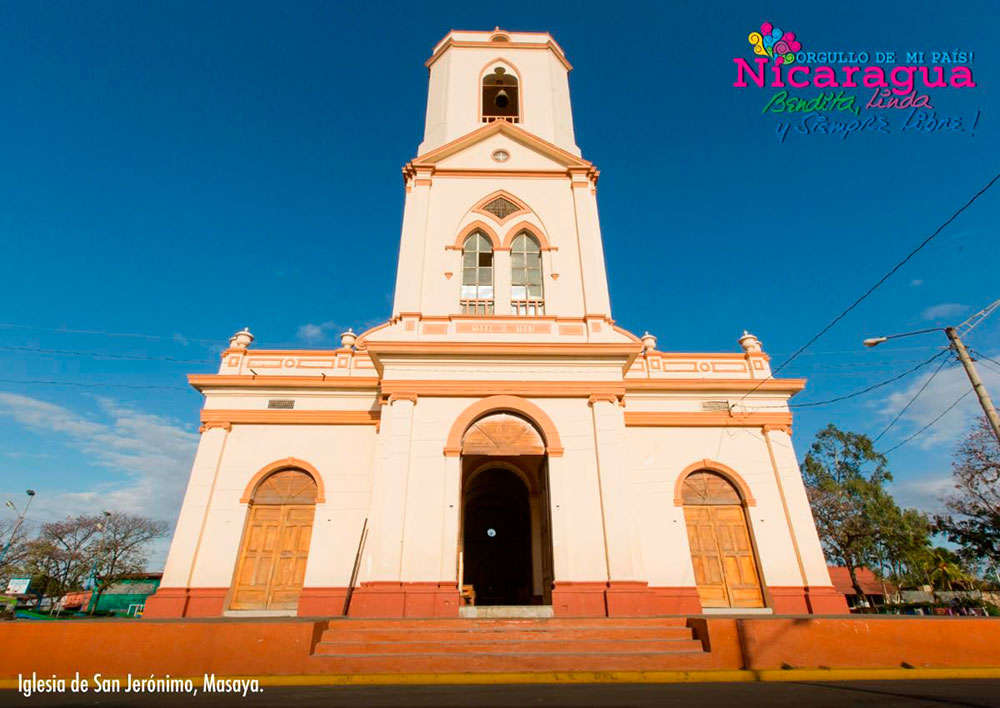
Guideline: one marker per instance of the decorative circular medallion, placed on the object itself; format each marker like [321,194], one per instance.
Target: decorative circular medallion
[500,156]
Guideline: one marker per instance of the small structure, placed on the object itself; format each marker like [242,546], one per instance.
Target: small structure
[127,596]
[874,588]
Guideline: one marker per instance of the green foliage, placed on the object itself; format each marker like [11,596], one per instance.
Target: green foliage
[65,553]
[944,570]
[974,522]
[859,523]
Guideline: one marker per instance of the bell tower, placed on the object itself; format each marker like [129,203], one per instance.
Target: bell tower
[479,77]
[500,218]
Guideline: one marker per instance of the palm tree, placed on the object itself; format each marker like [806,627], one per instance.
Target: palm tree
[942,568]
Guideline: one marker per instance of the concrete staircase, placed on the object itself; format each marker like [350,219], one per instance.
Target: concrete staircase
[370,646]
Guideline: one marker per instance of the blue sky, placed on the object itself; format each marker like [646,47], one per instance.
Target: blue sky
[174,171]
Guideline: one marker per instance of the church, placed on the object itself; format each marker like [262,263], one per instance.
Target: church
[498,447]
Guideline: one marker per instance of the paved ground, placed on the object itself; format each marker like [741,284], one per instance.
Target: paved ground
[855,694]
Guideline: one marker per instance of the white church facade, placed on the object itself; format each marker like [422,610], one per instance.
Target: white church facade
[499,442]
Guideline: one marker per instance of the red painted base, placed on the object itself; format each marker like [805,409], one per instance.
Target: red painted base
[622,598]
[185,602]
[322,602]
[390,599]
[807,601]
[675,601]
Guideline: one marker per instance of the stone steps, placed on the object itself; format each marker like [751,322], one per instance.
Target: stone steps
[508,645]
[535,646]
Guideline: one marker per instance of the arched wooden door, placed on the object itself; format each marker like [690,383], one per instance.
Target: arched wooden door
[725,568]
[272,563]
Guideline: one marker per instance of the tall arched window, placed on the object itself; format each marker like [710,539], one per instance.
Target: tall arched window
[526,296]
[500,101]
[477,275]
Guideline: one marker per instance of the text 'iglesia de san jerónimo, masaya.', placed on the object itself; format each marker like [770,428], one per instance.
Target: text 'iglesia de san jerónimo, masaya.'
[498,445]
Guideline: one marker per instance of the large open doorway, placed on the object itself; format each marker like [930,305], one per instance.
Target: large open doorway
[505,546]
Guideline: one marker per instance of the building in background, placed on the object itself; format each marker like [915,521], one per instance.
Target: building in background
[875,590]
[499,442]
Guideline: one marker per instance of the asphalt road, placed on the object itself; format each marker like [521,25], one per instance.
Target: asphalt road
[853,694]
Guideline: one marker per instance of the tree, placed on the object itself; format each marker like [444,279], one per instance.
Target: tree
[974,523]
[845,481]
[941,569]
[62,553]
[123,548]
[902,545]
[16,552]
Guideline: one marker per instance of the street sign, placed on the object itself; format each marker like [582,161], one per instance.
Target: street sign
[18,586]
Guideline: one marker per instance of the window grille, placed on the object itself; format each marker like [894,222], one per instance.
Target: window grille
[501,207]
[281,404]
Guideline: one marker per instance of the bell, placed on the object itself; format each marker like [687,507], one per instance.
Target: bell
[501,100]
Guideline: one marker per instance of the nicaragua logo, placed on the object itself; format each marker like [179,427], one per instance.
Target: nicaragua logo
[780,62]
[772,42]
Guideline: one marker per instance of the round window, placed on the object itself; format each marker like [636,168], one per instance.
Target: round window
[501,155]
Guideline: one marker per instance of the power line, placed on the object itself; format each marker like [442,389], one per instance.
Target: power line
[871,388]
[990,365]
[942,415]
[104,333]
[878,284]
[96,355]
[914,398]
[92,385]
[863,391]
[980,355]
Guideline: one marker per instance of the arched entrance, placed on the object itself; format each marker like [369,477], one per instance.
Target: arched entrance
[271,565]
[725,566]
[505,546]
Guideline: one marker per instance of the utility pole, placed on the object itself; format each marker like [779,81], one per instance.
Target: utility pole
[977,384]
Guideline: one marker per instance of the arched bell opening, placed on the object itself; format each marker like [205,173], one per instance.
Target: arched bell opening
[505,542]
[500,96]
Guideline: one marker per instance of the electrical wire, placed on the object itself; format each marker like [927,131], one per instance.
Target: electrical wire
[990,365]
[940,416]
[910,403]
[96,355]
[877,284]
[980,355]
[871,388]
[92,385]
[863,391]
[104,333]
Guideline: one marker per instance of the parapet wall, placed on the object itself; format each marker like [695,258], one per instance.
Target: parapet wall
[258,648]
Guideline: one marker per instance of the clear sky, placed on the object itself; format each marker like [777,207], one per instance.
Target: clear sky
[174,171]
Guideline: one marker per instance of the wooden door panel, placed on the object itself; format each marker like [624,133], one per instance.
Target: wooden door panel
[722,556]
[256,558]
[740,565]
[705,557]
[271,566]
